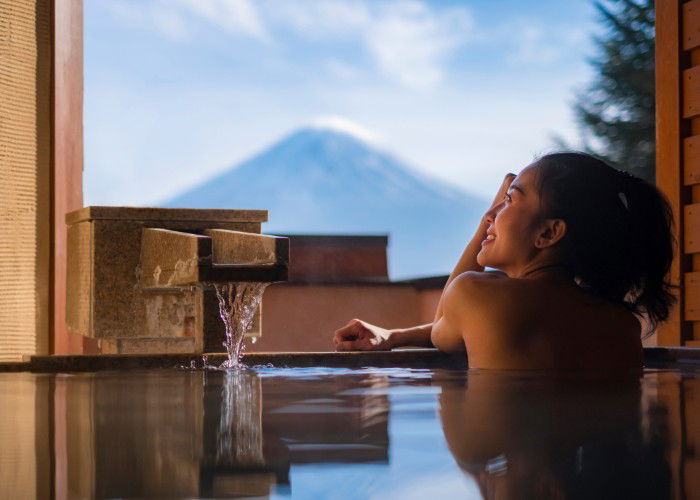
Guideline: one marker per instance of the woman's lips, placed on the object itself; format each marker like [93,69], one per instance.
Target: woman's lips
[489,239]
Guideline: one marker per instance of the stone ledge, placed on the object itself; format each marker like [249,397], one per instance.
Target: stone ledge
[654,357]
[406,358]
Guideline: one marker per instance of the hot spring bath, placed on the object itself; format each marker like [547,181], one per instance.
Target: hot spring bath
[344,432]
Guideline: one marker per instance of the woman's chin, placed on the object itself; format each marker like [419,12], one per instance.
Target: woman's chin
[482,259]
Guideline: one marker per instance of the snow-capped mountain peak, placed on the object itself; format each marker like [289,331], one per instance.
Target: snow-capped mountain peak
[327,179]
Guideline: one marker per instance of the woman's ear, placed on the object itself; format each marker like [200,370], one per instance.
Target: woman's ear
[552,233]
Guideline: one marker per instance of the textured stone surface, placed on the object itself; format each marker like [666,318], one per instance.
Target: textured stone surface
[409,358]
[242,248]
[171,258]
[146,214]
[105,296]
[148,346]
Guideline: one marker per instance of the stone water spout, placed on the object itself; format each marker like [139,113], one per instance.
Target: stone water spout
[139,279]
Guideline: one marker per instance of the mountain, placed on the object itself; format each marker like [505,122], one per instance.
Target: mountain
[324,179]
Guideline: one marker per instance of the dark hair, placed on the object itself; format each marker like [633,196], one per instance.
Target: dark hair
[619,241]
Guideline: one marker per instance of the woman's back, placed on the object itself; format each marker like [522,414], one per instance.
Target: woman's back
[545,323]
[575,330]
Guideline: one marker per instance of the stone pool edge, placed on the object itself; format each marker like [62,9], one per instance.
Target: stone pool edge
[401,358]
[404,358]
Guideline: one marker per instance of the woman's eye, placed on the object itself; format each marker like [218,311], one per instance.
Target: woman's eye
[508,198]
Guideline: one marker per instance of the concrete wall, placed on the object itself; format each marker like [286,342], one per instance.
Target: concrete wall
[304,317]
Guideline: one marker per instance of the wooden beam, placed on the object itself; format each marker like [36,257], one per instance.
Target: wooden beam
[669,174]
[67,182]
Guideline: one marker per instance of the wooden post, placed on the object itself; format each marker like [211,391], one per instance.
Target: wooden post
[670,130]
[67,181]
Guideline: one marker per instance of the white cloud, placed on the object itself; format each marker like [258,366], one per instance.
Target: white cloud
[173,19]
[234,16]
[410,42]
[531,43]
[407,41]
[320,19]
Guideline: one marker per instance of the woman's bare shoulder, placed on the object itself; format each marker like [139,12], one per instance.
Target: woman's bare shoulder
[484,285]
[489,294]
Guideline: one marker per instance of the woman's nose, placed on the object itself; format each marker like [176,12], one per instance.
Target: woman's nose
[493,211]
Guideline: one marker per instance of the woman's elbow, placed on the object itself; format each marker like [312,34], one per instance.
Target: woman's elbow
[447,343]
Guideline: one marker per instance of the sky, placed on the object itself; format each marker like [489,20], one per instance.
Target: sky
[177,91]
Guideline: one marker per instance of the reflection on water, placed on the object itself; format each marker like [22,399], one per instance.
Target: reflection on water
[315,433]
[531,436]
[239,436]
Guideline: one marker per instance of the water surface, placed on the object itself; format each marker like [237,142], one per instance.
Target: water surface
[349,433]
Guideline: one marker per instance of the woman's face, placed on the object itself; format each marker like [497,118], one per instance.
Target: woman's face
[513,226]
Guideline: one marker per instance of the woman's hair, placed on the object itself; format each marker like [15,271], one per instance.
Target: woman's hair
[619,241]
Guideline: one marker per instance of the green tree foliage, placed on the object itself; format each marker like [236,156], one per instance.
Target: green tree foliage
[616,111]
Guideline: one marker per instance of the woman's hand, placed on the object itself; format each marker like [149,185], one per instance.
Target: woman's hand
[505,185]
[359,335]
[480,234]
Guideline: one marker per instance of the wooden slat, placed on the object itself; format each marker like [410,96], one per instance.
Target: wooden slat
[691,92]
[692,296]
[691,24]
[692,343]
[696,330]
[691,160]
[691,228]
[668,141]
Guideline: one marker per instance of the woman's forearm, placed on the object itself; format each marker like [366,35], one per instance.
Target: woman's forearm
[415,336]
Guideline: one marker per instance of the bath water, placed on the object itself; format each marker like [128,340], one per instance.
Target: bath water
[237,304]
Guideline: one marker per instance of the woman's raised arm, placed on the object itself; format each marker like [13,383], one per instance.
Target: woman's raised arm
[359,335]
[467,262]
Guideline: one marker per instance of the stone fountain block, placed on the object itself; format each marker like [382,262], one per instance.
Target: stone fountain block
[131,271]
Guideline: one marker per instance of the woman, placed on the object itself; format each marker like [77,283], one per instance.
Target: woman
[583,252]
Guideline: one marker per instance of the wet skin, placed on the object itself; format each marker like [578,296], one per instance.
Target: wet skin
[531,314]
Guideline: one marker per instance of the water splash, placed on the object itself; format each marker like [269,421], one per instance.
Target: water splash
[237,304]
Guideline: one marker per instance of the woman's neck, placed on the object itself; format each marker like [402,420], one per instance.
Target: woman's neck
[545,271]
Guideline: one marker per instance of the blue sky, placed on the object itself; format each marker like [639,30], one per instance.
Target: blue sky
[177,91]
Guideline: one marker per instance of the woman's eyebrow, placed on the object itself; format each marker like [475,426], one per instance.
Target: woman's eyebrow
[517,188]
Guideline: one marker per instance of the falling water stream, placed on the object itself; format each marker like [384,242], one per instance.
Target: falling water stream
[237,304]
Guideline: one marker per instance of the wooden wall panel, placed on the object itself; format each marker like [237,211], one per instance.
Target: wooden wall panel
[25,173]
[691,227]
[692,296]
[691,155]
[691,92]
[691,25]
